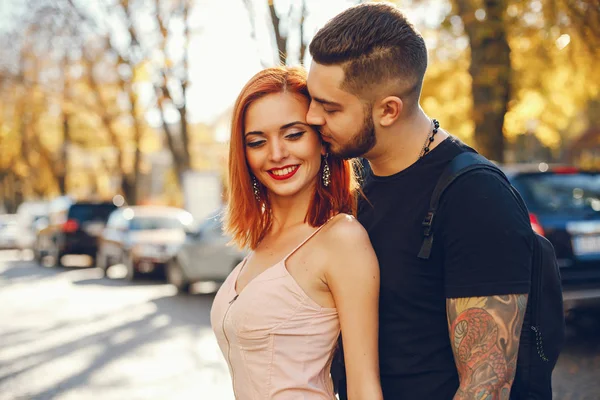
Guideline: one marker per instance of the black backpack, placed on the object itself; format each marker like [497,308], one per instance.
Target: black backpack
[543,331]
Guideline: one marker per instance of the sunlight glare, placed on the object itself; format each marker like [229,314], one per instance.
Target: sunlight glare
[480,14]
[563,41]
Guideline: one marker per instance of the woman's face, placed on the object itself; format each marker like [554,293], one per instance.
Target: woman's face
[282,150]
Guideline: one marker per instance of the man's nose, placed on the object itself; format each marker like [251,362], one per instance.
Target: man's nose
[314,116]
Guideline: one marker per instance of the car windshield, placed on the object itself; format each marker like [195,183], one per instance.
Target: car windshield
[561,192]
[91,212]
[153,223]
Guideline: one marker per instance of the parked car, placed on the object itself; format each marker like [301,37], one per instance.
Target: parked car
[564,206]
[29,212]
[206,255]
[143,238]
[9,230]
[72,227]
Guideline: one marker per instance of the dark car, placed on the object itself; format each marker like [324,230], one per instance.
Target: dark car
[73,227]
[564,206]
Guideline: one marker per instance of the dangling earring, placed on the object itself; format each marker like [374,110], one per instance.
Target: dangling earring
[255,189]
[326,171]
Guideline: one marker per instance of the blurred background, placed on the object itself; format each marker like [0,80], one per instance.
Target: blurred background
[114,121]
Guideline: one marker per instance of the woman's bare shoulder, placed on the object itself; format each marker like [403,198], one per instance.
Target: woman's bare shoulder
[348,251]
[345,232]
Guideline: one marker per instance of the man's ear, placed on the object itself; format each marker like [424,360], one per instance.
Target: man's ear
[389,110]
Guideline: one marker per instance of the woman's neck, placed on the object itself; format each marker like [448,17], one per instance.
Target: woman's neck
[290,211]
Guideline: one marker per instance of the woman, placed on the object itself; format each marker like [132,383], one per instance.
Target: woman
[312,270]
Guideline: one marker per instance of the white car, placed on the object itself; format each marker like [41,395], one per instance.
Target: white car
[206,256]
[28,213]
[143,238]
[9,231]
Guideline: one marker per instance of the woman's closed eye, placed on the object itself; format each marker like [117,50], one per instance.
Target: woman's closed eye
[295,135]
[290,136]
[255,143]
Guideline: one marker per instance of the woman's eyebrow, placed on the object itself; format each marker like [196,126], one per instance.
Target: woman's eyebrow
[281,128]
[292,124]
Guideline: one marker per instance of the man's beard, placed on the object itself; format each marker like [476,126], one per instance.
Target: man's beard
[361,143]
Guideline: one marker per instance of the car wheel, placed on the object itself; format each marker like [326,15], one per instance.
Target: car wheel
[93,260]
[56,255]
[37,255]
[176,276]
[131,274]
[101,263]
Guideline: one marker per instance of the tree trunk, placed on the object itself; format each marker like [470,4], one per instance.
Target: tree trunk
[35,142]
[63,156]
[48,159]
[185,136]
[3,199]
[23,116]
[302,42]
[137,136]
[280,40]
[63,160]
[129,189]
[175,150]
[107,121]
[491,73]
[12,192]
[178,145]
[24,122]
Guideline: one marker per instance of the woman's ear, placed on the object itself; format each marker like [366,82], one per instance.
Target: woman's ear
[389,110]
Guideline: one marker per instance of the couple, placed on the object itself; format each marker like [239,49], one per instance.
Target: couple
[319,281]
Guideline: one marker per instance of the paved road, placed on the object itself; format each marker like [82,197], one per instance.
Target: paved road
[577,375]
[70,334]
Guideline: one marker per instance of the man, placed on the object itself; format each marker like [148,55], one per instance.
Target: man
[449,325]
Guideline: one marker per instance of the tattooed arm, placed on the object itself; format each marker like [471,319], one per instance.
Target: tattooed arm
[484,333]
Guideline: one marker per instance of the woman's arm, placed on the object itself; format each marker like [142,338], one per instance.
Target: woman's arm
[352,275]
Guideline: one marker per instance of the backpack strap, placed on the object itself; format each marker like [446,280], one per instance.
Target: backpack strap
[460,165]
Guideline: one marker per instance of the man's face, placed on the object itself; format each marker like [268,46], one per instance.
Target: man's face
[343,119]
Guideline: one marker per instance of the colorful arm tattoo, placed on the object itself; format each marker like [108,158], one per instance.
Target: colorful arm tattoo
[484,333]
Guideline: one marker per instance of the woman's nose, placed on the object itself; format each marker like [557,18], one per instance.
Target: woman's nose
[278,150]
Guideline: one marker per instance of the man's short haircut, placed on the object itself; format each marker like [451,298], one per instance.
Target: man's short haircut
[375,45]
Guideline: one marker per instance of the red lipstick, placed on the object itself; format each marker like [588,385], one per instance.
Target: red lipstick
[295,168]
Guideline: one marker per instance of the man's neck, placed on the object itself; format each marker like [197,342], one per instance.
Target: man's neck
[401,145]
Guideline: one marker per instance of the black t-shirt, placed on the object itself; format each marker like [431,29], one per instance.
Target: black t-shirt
[482,247]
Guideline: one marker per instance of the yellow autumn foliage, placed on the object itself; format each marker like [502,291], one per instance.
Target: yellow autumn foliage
[552,84]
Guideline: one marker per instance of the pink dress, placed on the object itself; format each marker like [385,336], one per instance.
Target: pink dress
[277,341]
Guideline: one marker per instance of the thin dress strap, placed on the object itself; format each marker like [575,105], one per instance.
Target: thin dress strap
[307,239]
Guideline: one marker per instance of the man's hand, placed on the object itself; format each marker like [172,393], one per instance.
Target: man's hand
[484,333]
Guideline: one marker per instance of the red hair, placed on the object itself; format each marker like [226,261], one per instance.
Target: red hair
[247,220]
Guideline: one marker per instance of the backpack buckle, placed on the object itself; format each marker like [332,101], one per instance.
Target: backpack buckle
[427,223]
